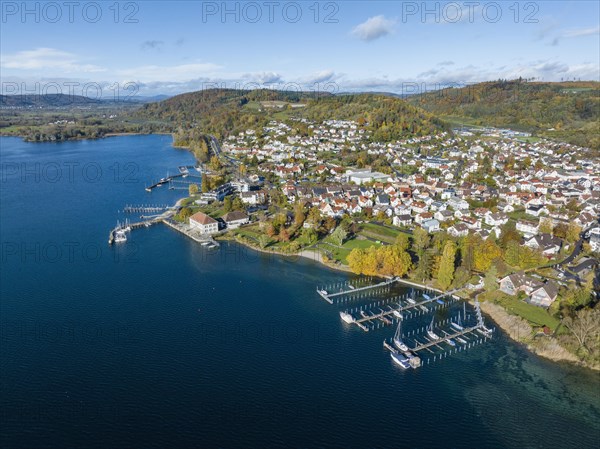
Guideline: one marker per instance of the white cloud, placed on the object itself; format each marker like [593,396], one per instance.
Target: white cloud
[263,77]
[374,28]
[582,32]
[47,59]
[317,78]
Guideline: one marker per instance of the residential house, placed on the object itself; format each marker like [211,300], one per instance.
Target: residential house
[402,220]
[443,215]
[546,243]
[517,282]
[528,228]
[544,295]
[458,230]
[495,219]
[431,225]
[235,219]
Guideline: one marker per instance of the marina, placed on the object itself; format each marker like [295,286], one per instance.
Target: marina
[324,293]
[429,326]
[390,314]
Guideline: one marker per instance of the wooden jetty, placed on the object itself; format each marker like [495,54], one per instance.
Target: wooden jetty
[328,296]
[382,316]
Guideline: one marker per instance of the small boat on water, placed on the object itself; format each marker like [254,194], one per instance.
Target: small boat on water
[440,302]
[430,332]
[461,340]
[400,360]
[411,301]
[120,236]
[424,309]
[346,317]
[426,296]
[451,342]
[398,339]
[397,314]
[457,326]
[433,335]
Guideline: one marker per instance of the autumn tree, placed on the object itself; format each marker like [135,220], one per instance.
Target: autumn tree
[491,279]
[402,242]
[299,215]
[420,241]
[485,254]
[193,189]
[573,232]
[185,213]
[284,235]
[445,274]
[546,226]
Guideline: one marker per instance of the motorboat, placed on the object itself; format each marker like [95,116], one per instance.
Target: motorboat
[400,360]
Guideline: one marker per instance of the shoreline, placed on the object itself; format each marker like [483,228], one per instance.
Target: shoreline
[515,327]
[521,332]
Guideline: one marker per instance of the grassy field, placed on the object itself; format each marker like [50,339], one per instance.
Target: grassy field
[379,232]
[341,254]
[533,314]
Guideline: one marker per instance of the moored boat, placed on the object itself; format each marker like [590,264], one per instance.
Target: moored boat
[346,317]
[400,360]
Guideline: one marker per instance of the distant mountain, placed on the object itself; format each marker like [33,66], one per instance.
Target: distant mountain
[225,111]
[46,101]
[151,99]
[567,111]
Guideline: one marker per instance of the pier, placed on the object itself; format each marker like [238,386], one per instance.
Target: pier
[164,181]
[455,337]
[328,296]
[384,315]
[168,213]
[146,208]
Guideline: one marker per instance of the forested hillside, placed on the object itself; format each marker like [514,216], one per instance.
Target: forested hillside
[567,111]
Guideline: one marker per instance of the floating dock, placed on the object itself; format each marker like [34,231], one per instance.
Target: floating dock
[328,296]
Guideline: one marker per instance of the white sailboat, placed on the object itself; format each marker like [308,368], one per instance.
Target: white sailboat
[430,332]
[398,338]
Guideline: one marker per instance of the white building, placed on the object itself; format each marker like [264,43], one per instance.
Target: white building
[203,223]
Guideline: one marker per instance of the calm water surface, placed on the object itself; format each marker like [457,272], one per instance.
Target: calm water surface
[162,343]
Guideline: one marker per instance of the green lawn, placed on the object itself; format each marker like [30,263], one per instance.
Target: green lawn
[376,231]
[535,315]
[341,254]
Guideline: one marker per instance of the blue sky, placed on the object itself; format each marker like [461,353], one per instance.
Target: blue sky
[173,47]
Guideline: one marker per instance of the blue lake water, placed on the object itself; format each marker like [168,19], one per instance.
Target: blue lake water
[162,343]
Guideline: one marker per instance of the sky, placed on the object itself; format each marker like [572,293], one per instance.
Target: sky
[151,48]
